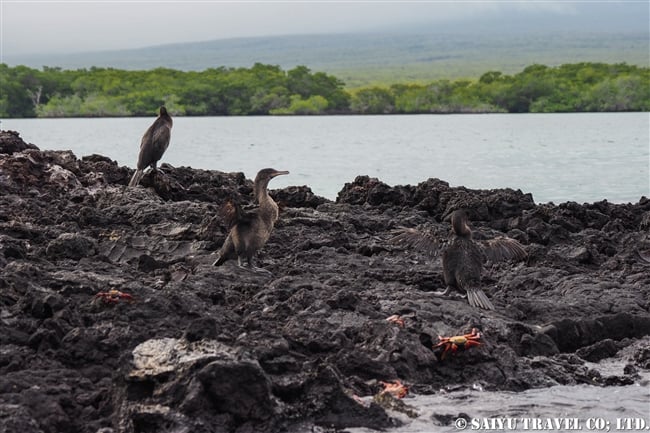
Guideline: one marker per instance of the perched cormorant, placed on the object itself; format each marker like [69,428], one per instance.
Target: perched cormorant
[154,143]
[249,230]
[463,258]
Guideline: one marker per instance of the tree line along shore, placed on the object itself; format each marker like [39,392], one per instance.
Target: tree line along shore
[269,90]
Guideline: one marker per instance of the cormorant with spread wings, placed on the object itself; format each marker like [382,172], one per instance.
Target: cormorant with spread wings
[463,257]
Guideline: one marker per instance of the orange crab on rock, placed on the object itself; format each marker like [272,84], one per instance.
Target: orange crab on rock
[396,319]
[113,296]
[458,343]
[396,389]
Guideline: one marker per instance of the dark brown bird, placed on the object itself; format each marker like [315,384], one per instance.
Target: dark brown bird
[155,142]
[463,258]
[249,230]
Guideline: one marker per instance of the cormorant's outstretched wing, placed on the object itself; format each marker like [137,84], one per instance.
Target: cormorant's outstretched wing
[413,238]
[233,213]
[230,212]
[503,248]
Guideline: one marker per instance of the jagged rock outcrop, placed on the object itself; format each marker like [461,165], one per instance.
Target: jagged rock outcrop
[207,349]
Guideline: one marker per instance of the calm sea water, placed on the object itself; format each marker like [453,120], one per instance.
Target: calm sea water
[556,157]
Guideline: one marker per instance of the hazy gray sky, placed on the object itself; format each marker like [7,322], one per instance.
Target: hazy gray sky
[71,26]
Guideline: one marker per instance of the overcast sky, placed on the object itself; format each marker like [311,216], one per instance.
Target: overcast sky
[30,27]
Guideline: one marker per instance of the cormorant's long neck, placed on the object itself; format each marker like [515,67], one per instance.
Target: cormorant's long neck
[167,119]
[261,191]
[268,208]
[461,228]
[164,117]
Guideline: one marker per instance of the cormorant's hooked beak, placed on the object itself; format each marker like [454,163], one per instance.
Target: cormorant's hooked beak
[279,173]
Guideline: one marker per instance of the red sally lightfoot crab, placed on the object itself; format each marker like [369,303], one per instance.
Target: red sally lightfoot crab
[397,319]
[458,342]
[391,396]
[113,296]
[396,389]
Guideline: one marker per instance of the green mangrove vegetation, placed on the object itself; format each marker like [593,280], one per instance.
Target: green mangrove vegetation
[267,89]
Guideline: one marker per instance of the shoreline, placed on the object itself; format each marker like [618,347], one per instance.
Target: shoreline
[343,114]
[593,170]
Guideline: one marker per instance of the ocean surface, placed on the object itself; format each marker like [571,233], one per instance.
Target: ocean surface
[582,157]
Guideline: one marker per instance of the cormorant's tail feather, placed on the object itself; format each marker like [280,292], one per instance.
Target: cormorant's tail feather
[477,298]
[220,260]
[226,252]
[137,176]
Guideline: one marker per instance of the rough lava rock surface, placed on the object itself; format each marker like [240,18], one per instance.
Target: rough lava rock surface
[222,349]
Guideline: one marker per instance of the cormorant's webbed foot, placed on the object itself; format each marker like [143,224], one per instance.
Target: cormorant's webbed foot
[155,171]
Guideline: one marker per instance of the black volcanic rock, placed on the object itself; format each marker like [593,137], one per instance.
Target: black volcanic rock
[10,142]
[71,246]
[222,349]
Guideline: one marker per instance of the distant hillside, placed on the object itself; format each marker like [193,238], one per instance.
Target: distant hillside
[362,59]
